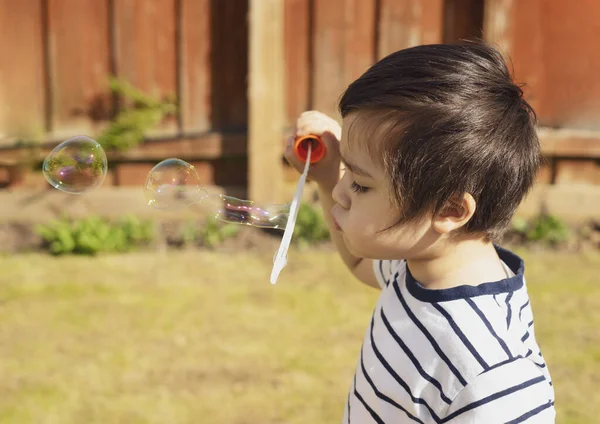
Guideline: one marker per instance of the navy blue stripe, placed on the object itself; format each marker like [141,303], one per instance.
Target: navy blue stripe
[525,337]
[398,379]
[531,413]
[413,359]
[385,282]
[493,397]
[465,291]
[529,352]
[496,300]
[542,365]
[508,309]
[489,327]
[530,324]
[461,335]
[367,407]
[523,307]
[381,395]
[499,364]
[348,400]
[426,333]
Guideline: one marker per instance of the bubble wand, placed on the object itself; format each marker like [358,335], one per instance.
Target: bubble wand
[303,147]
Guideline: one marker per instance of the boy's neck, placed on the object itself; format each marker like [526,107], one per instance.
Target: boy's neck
[469,262]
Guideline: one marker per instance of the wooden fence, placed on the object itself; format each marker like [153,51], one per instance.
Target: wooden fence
[56,57]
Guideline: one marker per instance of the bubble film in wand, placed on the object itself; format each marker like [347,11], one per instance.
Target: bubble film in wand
[173,184]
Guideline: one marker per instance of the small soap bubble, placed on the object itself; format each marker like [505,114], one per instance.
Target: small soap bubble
[173,184]
[76,165]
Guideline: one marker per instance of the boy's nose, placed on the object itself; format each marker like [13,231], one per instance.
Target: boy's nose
[339,195]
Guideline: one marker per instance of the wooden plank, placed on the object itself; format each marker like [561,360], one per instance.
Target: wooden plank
[221,172]
[502,27]
[229,64]
[343,48]
[22,76]
[550,44]
[206,146]
[211,146]
[266,100]
[546,172]
[79,61]
[195,66]
[359,40]
[570,143]
[463,20]
[569,171]
[328,55]
[408,23]
[145,49]
[297,39]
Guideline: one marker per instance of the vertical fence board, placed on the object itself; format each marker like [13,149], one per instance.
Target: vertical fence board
[229,64]
[359,43]
[328,55]
[343,48]
[22,84]
[569,171]
[551,45]
[408,23]
[463,19]
[79,66]
[266,90]
[194,70]
[297,38]
[145,47]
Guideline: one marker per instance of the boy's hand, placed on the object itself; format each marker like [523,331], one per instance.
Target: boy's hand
[326,172]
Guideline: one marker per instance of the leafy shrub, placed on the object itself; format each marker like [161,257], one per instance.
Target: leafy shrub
[210,233]
[93,235]
[128,128]
[310,225]
[544,228]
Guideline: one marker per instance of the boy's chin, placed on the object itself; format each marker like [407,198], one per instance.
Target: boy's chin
[366,250]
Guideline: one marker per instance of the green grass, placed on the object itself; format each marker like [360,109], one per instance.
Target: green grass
[179,338]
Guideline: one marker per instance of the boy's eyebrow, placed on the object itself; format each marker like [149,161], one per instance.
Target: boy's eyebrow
[355,169]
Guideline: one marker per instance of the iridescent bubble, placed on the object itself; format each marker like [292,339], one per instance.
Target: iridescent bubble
[173,184]
[76,165]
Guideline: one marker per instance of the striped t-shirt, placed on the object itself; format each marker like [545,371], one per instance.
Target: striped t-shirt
[467,354]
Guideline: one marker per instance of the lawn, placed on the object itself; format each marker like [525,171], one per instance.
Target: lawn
[196,337]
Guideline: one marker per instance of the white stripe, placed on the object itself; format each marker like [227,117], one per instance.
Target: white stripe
[508,406]
[440,329]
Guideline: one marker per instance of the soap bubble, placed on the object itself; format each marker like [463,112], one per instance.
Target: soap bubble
[173,184]
[76,165]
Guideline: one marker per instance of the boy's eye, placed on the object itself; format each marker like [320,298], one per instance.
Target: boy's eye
[358,188]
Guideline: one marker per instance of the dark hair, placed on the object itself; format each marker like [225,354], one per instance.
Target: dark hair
[454,122]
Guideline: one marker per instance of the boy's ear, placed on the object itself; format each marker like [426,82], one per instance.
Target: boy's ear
[455,214]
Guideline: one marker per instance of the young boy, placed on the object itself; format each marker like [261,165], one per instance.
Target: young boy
[439,148]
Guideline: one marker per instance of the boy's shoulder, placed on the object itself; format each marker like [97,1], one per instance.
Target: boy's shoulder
[455,348]
[464,331]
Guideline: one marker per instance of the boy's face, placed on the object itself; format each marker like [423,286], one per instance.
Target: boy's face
[365,208]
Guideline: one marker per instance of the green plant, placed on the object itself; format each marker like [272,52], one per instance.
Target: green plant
[310,225]
[544,228]
[214,232]
[548,228]
[128,128]
[93,235]
[188,232]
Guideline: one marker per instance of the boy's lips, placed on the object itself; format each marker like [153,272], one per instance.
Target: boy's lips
[335,223]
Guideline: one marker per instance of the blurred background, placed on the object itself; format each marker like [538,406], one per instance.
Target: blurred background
[112,312]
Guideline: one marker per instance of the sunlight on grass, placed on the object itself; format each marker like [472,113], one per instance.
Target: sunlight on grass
[195,337]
